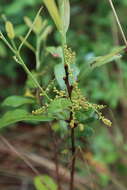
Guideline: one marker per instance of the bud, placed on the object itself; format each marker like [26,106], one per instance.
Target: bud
[10,30]
[107,122]
[28,21]
[38,24]
[81,127]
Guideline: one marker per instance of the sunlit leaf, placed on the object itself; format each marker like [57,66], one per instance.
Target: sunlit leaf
[46,32]
[60,74]
[44,182]
[37,25]
[17,115]
[65,9]
[15,101]
[101,60]
[55,51]
[54,12]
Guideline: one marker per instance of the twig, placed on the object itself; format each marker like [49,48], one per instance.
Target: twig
[73,159]
[118,21]
[48,164]
[30,30]
[56,157]
[13,149]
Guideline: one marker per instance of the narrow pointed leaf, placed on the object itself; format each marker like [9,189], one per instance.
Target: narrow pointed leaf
[16,101]
[65,9]
[101,60]
[55,51]
[54,12]
[17,115]
[37,25]
[60,74]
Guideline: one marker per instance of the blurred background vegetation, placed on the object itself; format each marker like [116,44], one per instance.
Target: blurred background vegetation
[93,32]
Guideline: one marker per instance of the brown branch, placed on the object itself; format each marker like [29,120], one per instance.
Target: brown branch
[48,164]
[56,156]
[66,79]
[73,149]
[19,154]
[73,159]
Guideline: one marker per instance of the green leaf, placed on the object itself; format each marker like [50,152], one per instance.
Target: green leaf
[75,73]
[37,25]
[87,132]
[101,60]
[60,74]
[65,10]
[29,82]
[16,101]
[55,51]
[15,7]
[17,115]
[59,105]
[54,12]
[44,182]
[46,32]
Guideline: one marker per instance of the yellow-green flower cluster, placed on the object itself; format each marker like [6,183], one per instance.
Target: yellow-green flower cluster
[72,123]
[69,55]
[50,85]
[60,93]
[80,102]
[98,107]
[81,127]
[104,120]
[48,88]
[40,110]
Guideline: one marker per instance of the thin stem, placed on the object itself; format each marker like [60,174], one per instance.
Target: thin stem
[30,30]
[56,157]
[7,43]
[118,22]
[13,44]
[69,89]
[14,150]
[27,44]
[38,45]
[20,61]
[73,149]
